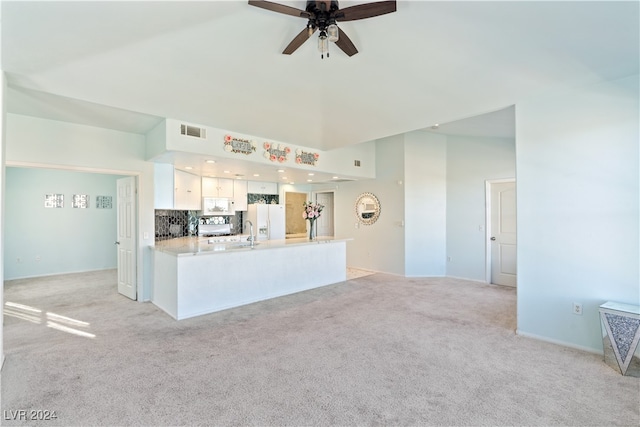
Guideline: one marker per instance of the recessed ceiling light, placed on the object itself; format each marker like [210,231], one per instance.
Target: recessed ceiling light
[256,174]
[309,180]
[210,161]
[280,170]
[311,174]
[292,183]
[436,126]
[335,177]
[188,168]
[284,177]
[226,171]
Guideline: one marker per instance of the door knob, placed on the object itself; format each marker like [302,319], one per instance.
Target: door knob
[493,238]
[116,243]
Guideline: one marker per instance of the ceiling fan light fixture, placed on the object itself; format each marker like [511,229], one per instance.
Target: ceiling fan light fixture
[323,15]
[323,43]
[332,33]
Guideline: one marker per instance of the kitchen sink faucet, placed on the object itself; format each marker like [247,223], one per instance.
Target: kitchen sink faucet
[250,238]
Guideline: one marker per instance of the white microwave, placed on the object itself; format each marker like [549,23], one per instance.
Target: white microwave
[217,206]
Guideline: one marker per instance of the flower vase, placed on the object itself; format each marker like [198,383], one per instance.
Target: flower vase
[312,231]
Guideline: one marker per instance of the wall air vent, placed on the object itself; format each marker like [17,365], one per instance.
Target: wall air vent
[194,131]
[356,163]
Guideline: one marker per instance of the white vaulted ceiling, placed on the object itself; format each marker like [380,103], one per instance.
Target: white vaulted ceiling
[124,65]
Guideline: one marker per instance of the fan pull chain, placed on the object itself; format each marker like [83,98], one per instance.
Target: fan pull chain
[322,54]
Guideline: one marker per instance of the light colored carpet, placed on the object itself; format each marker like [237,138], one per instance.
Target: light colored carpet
[377,350]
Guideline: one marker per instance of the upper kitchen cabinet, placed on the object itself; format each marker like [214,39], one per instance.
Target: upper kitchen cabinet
[188,193]
[240,194]
[176,189]
[217,187]
[258,187]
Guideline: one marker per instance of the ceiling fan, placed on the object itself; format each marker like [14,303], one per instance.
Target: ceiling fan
[323,16]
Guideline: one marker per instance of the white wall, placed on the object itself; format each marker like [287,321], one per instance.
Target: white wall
[387,234]
[470,162]
[413,175]
[64,145]
[425,168]
[578,202]
[65,240]
[3,121]
[380,246]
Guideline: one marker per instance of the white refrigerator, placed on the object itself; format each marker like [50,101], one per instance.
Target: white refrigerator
[268,221]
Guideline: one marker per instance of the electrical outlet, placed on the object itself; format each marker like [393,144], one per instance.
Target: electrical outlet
[37,258]
[577,308]
[448,259]
[19,260]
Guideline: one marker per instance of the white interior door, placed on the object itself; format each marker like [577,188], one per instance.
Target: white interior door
[503,233]
[126,239]
[324,224]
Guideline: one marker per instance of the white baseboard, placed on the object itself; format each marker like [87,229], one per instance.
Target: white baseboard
[558,342]
[374,271]
[59,274]
[470,280]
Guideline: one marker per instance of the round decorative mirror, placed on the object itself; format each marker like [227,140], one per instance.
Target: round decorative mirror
[367,208]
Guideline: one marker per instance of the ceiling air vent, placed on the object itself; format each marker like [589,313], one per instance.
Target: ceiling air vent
[356,163]
[193,131]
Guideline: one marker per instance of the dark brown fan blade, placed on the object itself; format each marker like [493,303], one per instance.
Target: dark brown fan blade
[367,10]
[298,41]
[280,8]
[345,43]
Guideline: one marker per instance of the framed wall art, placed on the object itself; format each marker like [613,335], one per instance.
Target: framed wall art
[54,200]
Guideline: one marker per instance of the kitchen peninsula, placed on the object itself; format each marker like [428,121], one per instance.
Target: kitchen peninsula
[197,275]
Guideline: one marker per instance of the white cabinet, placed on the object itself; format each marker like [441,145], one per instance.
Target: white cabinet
[163,186]
[217,187]
[258,187]
[176,189]
[188,194]
[240,194]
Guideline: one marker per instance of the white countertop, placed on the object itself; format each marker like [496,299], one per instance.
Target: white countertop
[183,246]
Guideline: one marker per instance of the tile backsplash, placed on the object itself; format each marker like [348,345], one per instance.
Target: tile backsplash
[170,224]
[234,220]
[263,198]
